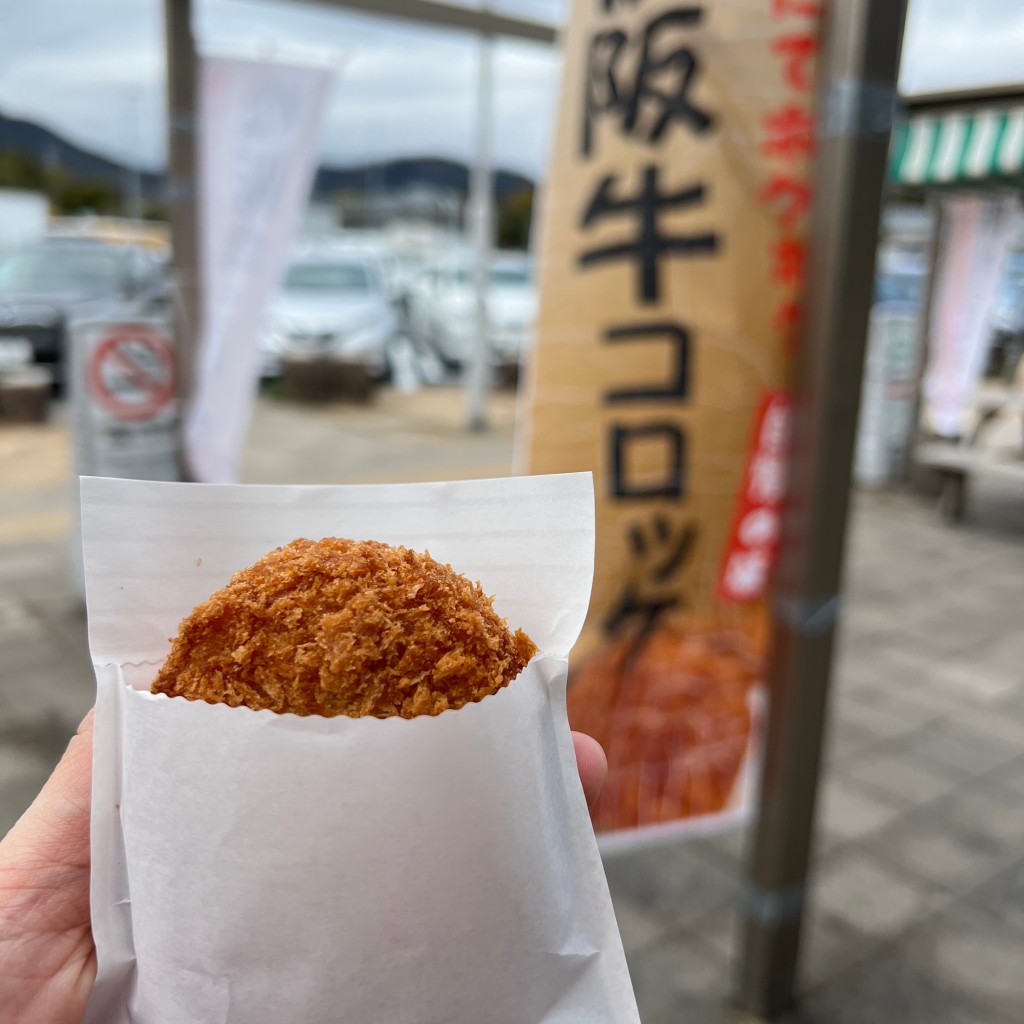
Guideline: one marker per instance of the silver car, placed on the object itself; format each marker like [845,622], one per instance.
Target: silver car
[442,309]
[333,303]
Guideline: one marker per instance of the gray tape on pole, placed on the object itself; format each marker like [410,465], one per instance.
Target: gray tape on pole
[809,616]
[773,907]
[855,108]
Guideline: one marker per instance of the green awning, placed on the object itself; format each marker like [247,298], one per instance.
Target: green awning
[975,147]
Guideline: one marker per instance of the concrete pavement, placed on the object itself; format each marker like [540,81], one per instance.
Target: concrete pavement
[919,883]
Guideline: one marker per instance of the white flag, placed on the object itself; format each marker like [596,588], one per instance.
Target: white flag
[976,240]
[258,136]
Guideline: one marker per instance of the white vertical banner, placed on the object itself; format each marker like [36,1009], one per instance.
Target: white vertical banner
[976,239]
[259,133]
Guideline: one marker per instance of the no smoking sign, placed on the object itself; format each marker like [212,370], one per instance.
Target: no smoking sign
[131,372]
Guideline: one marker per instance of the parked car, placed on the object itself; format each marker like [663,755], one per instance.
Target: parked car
[441,309]
[333,302]
[44,284]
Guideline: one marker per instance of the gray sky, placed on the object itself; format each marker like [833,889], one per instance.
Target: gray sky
[93,70]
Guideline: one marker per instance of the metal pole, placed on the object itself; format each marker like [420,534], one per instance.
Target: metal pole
[478,367]
[861,48]
[182,179]
[457,17]
[134,183]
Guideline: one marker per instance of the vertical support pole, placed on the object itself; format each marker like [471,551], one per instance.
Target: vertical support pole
[133,175]
[478,367]
[861,48]
[182,189]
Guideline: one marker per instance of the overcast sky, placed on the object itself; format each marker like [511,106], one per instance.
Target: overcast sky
[93,70]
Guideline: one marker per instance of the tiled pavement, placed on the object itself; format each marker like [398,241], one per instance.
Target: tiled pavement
[918,910]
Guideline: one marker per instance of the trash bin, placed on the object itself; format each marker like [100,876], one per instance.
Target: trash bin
[25,394]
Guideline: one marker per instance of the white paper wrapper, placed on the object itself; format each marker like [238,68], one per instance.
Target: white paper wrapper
[254,868]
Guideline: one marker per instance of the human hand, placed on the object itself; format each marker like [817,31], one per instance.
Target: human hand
[592,765]
[47,957]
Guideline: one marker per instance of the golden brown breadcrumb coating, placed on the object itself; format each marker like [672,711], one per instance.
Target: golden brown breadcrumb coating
[342,627]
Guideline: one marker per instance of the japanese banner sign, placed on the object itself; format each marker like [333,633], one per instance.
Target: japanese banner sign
[672,259]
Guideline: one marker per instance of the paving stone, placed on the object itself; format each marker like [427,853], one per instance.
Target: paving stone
[845,741]
[638,929]
[886,702]
[26,651]
[726,850]
[1004,656]
[1005,723]
[17,619]
[975,956]
[879,659]
[15,761]
[907,668]
[931,697]
[873,712]
[890,991]
[22,774]
[960,746]
[863,893]
[848,811]
[1011,702]
[721,928]
[931,847]
[1002,897]
[980,809]
[969,677]
[857,663]
[62,617]
[679,979]
[867,619]
[44,736]
[971,619]
[50,690]
[1009,776]
[15,796]
[24,565]
[828,949]
[672,884]
[904,775]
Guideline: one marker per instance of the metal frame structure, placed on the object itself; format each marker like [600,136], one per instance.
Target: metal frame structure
[436,14]
[182,95]
[857,97]
[856,102]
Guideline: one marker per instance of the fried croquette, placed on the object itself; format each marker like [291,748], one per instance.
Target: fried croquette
[342,627]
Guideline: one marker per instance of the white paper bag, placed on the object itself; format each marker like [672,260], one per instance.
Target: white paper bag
[255,868]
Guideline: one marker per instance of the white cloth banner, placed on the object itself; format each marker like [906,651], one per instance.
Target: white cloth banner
[975,242]
[258,135]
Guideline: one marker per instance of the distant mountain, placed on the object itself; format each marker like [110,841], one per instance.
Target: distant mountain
[51,150]
[28,139]
[398,174]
